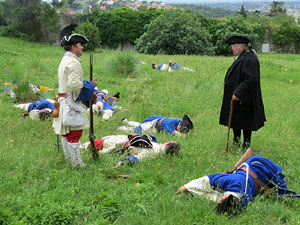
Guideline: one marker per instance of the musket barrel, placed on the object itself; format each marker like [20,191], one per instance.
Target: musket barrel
[92,136]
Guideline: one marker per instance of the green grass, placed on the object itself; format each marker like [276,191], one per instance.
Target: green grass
[38,187]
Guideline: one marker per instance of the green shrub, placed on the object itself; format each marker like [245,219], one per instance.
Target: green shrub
[120,63]
[23,92]
[121,25]
[8,31]
[91,32]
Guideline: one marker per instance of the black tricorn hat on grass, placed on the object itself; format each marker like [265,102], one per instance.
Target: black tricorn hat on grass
[73,39]
[237,39]
[186,124]
[229,205]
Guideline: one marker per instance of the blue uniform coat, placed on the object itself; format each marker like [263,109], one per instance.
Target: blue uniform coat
[168,125]
[267,172]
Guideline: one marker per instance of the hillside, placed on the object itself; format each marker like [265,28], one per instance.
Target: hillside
[38,187]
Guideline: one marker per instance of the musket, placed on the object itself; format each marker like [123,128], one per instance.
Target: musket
[92,136]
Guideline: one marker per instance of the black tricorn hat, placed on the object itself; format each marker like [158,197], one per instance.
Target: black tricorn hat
[229,205]
[117,95]
[186,124]
[73,39]
[141,142]
[237,39]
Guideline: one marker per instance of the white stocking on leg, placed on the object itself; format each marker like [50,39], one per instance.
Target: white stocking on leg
[75,154]
[65,148]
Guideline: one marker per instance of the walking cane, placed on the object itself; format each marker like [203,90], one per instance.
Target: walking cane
[229,124]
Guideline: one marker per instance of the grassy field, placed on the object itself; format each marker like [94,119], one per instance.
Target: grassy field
[38,187]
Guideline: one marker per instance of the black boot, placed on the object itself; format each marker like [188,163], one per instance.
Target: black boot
[236,142]
[247,139]
[246,145]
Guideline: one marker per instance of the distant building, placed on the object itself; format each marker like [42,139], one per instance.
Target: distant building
[267,46]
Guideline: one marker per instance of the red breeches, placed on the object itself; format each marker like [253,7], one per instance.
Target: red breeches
[73,136]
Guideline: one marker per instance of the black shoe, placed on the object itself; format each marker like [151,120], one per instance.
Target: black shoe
[246,145]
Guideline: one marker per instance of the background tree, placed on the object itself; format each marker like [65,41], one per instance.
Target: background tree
[243,12]
[277,8]
[284,32]
[34,18]
[234,26]
[2,20]
[122,25]
[91,32]
[175,32]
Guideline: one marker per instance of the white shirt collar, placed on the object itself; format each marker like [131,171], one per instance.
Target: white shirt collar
[68,53]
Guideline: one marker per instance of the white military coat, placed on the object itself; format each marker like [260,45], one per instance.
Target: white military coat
[70,80]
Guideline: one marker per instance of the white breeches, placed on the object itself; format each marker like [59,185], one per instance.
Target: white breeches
[23,106]
[186,69]
[146,153]
[98,107]
[166,66]
[146,127]
[202,187]
[107,114]
[113,143]
[132,123]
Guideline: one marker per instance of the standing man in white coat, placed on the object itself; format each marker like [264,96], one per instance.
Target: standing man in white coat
[72,90]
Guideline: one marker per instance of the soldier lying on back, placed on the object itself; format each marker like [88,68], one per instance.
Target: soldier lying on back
[138,148]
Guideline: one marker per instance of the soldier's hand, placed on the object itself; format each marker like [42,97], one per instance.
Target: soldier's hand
[95,82]
[234,98]
[118,165]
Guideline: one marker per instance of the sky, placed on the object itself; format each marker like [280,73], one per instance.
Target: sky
[217,1]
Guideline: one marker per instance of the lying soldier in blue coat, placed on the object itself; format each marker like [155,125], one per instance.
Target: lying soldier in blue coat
[250,177]
[171,66]
[105,106]
[156,124]
[40,109]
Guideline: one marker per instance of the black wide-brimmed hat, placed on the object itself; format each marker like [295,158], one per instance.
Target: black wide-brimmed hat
[237,39]
[186,124]
[73,39]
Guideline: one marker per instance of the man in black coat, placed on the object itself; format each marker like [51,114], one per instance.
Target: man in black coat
[242,86]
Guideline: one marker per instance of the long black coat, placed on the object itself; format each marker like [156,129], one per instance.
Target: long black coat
[243,80]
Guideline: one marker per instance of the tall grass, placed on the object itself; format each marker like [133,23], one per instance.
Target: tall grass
[38,187]
[120,63]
